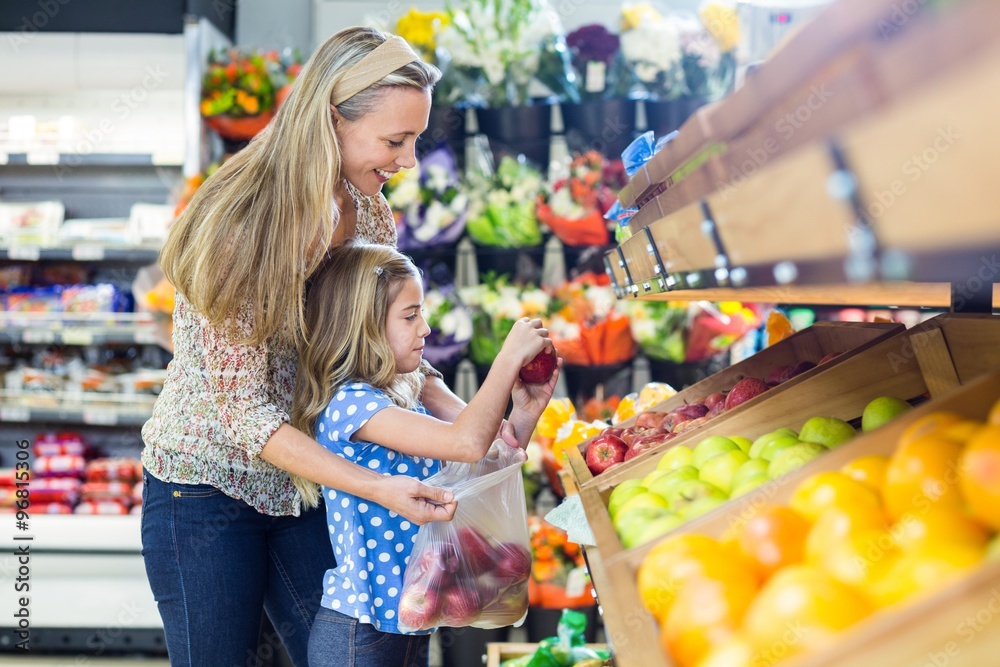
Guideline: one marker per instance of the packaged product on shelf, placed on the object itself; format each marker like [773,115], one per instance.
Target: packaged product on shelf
[51,508]
[30,223]
[148,223]
[117,231]
[117,491]
[116,469]
[59,466]
[59,444]
[102,298]
[8,478]
[55,490]
[15,275]
[63,274]
[34,300]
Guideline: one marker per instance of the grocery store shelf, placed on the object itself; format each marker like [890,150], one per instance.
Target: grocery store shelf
[78,328]
[53,157]
[82,252]
[79,408]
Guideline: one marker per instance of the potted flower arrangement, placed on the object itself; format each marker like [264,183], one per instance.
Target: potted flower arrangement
[502,221]
[240,90]
[496,303]
[708,48]
[506,47]
[573,207]
[591,332]
[559,578]
[604,118]
[430,204]
[451,330]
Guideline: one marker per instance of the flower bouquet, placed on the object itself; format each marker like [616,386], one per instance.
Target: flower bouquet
[451,327]
[559,576]
[237,94]
[651,47]
[429,202]
[574,207]
[709,51]
[496,304]
[502,206]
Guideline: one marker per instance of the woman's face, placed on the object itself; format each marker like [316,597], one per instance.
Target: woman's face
[380,143]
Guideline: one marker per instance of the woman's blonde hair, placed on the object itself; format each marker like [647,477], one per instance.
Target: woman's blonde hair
[346,309]
[260,225]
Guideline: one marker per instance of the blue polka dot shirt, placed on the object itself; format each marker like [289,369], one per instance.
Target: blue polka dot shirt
[371,543]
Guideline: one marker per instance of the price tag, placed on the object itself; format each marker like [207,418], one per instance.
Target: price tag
[576,580]
[43,157]
[596,80]
[4,158]
[27,253]
[77,336]
[88,252]
[100,417]
[38,336]
[15,413]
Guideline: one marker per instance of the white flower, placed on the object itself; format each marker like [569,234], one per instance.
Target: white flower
[405,190]
[458,323]
[643,329]
[438,178]
[535,301]
[602,299]
[564,206]
[563,328]
[436,217]
[535,457]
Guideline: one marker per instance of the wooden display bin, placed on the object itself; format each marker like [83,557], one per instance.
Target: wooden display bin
[497,652]
[811,344]
[906,366]
[904,636]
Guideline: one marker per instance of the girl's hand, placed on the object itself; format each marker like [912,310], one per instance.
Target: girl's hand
[531,399]
[526,339]
[416,501]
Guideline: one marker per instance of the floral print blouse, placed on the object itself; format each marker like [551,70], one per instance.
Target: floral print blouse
[222,400]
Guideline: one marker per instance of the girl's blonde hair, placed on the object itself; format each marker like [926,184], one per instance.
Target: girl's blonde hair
[346,309]
[260,225]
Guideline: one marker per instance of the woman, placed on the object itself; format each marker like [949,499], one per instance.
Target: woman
[223,531]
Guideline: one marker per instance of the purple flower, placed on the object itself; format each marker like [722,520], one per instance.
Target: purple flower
[592,42]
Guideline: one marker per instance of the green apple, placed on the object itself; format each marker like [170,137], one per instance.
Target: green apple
[674,458]
[793,457]
[771,449]
[653,476]
[665,486]
[762,441]
[751,468]
[703,505]
[709,447]
[630,522]
[827,431]
[622,493]
[743,443]
[691,491]
[749,484]
[720,469]
[651,530]
[882,410]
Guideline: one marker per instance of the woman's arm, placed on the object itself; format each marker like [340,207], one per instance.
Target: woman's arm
[474,428]
[294,451]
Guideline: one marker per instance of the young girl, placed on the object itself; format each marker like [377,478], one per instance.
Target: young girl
[357,394]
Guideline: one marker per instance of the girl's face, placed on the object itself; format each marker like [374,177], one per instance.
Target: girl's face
[380,143]
[405,326]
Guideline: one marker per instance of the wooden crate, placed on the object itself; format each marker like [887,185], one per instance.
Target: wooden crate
[810,344]
[906,366]
[497,652]
[905,636]
[967,387]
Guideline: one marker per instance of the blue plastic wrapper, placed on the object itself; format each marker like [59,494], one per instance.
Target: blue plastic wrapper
[638,152]
[619,214]
[664,140]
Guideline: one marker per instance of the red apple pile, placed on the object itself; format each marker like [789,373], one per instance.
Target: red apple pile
[615,444]
[465,579]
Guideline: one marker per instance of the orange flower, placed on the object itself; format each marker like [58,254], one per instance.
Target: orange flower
[544,570]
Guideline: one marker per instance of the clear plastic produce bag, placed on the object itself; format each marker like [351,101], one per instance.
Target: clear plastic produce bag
[473,570]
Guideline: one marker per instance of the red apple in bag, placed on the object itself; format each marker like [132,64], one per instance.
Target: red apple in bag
[513,563]
[475,550]
[460,605]
[419,607]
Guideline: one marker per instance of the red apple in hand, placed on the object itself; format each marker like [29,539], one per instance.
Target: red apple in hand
[539,369]
[604,451]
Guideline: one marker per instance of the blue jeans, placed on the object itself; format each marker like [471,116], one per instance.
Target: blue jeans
[215,565]
[341,641]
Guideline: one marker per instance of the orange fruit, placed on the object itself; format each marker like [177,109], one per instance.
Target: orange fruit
[961,431]
[924,569]
[979,475]
[859,559]
[836,524]
[733,652]
[803,599]
[676,560]
[938,525]
[773,538]
[923,473]
[929,424]
[706,613]
[832,489]
[869,470]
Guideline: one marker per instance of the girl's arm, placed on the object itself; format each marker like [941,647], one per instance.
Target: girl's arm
[294,451]
[469,437]
[238,376]
[439,399]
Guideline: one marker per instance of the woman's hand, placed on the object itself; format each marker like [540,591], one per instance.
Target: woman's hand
[416,501]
